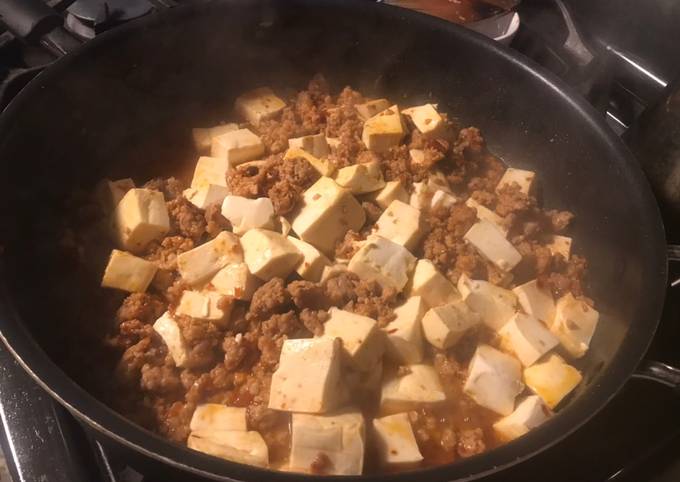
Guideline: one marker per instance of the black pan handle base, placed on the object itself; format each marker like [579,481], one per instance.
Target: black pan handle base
[659,372]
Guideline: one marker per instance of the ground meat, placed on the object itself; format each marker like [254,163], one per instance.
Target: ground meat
[470,442]
[170,187]
[141,306]
[567,276]
[269,299]
[511,200]
[161,380]
[164,254]
[186,219]
[235,351]
[215,223]
[313,320]
[396,166]
[134,358]
[559,220]
[349,245]
[321,464]
[374,301]
[341,289]
[306,294]
[130,332]
[372,210]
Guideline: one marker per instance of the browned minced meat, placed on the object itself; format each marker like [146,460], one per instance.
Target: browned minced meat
[186,219]
[170,187]
[165,253]
[349,245]
[270,298]
[215,223]
[306,294]
[347,291]
[141,306]
[372,210]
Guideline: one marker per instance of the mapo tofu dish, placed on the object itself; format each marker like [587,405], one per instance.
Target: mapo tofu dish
[344,285]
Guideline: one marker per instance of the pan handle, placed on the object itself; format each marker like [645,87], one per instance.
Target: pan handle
[659,372]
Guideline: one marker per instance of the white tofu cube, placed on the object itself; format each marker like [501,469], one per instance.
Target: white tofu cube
[245,214]
[357,384]
[487,214]
[494,304]
[269,254]
[395,441]
[419,387]
[109,193]
[205,196]
[523,178]
[212,417]
[322,165]
[529,414]
[237,281]
[574,324]
[235,445]
[237,147]
[527,338]
[552,380]
[313,262]
[128,273]
[333,270]
[326,213]
[490,241]
[210,171]
[426,119]
[384,130]
[203,136]
[536,301]
[141,217]
[560,245]
[202,262]
[361,178]
[339,438]
[494,380]
[442,199]
[168,329]
[417,157]
[402,224]
[371,108]
[206,305]
[433,286]
[284,226]
[387,262]
[363,343]
[444,325]
[308,377]
[316,145]
[436,181]
[405,332]
[258,105]
[393,190]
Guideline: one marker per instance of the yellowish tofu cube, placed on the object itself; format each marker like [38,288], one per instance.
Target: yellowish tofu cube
[574,324]
[560,245]
[316,145]
[245,214]
[444,325]
[322,165]
[361,178]
[395,440]
[168,329]
[203,136]
[269,254]
[141,217]
[235,445]
[109,193]
[308,377]
[426,119]
[371,108]
[205,196]
[210,171]
[442,199]
[552,380]
[313,262]
[258,105]
[384,130]
[402,224]
[527,338]
[529,414]
[433,286]
[490,241]
[393,190]
[405,332]
[237,281]
[363,343]
[202,262]
[524,179]
[206,305]
[487,214]
[494,304]
[536,300]
[128,273]
[384,261]
[326,213]
[215,416]
[237,146]
[420,386]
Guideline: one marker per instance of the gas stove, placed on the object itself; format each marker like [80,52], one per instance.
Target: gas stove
[609,59]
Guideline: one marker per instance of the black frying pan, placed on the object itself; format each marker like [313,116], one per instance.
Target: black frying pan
[124,104]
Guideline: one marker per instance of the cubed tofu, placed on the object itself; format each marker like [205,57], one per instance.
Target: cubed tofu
[361,178]
[316,145]
[338,438]
[536,300]
[235,445]
[385,261]
[494,304]
[487,214]
[393,190]
[404,341]
[433,286]
[203,136]
[313,262]
[574,324]
[437,181]
[426,119]
[205,305]
[395,440]
[421,197]
[284,226]
[237,281]
[371,108]
[202,262]
[560,245]
[322,165]
[420,386]
[141,217]
[494,380]
[529,414]
[109,193]
[269,254]
[490,241]
[237,146]
[524,179]
[402,224]
[527,338]
[205,196]
[168,329]
[332,271]
[552,380]
[417,157]
[308,377]
[210,417]
[258,105]
[363,343]
[384,130]
[326,213]
[444,325]
[442,199]
[210,171]
[128,273]
[245,214]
